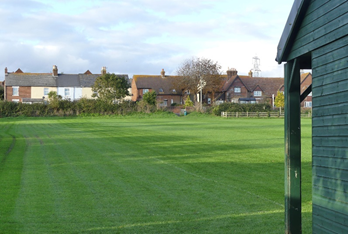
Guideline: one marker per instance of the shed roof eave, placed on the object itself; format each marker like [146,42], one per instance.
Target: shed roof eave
[292,24]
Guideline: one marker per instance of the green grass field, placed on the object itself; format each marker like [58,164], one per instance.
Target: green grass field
[146,175]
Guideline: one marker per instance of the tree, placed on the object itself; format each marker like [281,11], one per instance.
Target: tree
[198,72]
[150,98]
[279,100]
[188,101]
[54,100]
[110,87]
[1,92]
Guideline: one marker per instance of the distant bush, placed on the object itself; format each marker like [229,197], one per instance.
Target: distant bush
[150,98]
[61,107]
[188,102]
[237,107]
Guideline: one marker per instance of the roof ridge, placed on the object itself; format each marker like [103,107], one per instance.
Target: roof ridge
[28,73]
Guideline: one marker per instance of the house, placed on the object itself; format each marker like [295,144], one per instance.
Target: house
[163,85]
[28,87]
[34,87]
[306,81]
[249,89]
[316,37]
[76,86]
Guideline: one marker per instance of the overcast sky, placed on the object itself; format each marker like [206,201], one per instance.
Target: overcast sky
[139,36]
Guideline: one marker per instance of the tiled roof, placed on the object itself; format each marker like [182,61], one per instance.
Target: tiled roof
[47,80]
[269,86]
[68,80]
[156,83]
[228,83]
[30,79]
[87,80]
[304,76]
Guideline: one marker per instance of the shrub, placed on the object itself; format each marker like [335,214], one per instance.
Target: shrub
[150,98]
[188,102]
[236,107]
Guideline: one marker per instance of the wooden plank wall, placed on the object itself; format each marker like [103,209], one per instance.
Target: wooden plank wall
[330,137]
[324,22]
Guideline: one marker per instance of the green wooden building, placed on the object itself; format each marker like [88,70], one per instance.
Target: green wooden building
[316,37]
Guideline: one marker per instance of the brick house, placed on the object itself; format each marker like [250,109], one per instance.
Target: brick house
[306,81]
[163,85]
[249,89]
[24,87]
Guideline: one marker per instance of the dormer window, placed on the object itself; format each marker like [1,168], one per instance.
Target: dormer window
[237,89]
[174,91]
[161,90]
[257,93]
[145,91]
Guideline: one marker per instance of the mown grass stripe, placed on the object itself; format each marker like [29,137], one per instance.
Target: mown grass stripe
[158,175]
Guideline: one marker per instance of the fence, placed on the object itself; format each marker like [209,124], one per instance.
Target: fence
[258,114]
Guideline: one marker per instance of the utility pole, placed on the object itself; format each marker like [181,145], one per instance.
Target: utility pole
[200,86]
[201,96]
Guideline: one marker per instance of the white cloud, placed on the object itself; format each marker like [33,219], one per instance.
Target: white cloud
[138,36]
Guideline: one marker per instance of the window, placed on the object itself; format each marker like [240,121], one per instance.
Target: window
[310,94]
[174,91]
[161,90]
[165,102]
[66,92]
[257,93]
[308,104]
[209,101]
[145,91]
[45,91]
[15,91]
[218,102]
[237,89]
[171,101]
[15,100]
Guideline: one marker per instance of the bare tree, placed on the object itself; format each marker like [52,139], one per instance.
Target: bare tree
[198,72]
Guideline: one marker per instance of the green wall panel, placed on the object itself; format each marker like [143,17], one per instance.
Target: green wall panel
[320,215]
[325,22]
[330,136]
[332,99]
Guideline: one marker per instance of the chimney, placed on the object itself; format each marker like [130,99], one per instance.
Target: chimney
[55,70]
[103,70]
[6,72]
[231,72]
[251,73]
[163,73]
